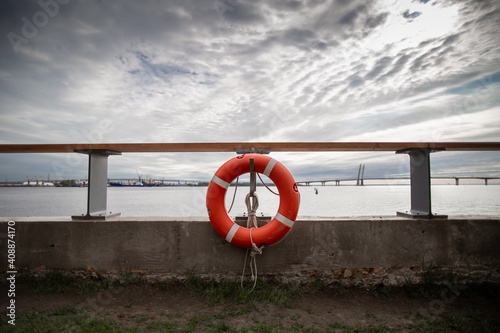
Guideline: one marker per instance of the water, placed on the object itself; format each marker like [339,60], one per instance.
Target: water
[331,201]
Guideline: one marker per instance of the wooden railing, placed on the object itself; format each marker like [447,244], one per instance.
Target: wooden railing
[234,146]
[420,176]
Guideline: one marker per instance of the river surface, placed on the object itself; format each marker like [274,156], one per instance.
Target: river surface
[330,201]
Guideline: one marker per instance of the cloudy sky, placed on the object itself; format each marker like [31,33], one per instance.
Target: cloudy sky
[231,70]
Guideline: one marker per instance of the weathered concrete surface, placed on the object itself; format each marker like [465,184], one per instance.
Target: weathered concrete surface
[388,250]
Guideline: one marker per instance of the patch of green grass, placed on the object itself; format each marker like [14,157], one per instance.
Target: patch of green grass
[222,327]
[216,292]
[340,327]
[316,286]
[169,284]
[245,310]
[194,283]
[60,320]
[103,285]
[53,282]
[377,329]
[142,318]
[193,322]
[260,327]
[85,287]
[67,319]
[281,296]
[161,326]
[63,311]
[126,279]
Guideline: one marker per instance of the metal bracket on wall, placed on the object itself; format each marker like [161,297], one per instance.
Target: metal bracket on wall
[263,151]
[98,185]
[253,182]
[420,183]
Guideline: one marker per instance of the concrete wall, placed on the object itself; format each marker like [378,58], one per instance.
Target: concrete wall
[387,250]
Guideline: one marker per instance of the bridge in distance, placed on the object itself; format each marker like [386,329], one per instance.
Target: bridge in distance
[360,181]
[324,182]
[337,181]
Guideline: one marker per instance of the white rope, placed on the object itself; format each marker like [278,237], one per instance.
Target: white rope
[252,223]
[252,210]
[267,186]
[234,195]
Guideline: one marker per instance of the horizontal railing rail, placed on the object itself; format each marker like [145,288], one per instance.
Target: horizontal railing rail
[420,176]
[234,146]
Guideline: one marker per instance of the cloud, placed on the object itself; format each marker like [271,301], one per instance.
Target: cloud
[380,65]
[349,18]
[374,21]
[411,16]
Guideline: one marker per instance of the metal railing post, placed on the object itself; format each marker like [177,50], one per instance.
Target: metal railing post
[97,185]
[420,184]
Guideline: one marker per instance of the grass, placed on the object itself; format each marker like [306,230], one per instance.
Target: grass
[71,320]
[129,279]
[272,292]
[431,286]
[60,320]
[217,292]
[54,282]
[236,302]
[67,319]
[57,282]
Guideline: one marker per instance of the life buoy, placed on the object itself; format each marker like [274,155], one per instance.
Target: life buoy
[273,231]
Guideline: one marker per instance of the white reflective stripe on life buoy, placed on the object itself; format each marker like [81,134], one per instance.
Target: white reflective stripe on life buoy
[285,220]
[231,232]
[220,182]
[269,167]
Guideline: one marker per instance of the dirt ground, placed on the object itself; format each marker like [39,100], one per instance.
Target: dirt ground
[139,304]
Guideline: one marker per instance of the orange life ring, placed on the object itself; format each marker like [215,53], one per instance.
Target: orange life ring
[273,231]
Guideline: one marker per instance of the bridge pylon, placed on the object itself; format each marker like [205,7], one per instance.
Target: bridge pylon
[361,175]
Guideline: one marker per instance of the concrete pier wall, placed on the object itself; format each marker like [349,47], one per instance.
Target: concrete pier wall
[389,250]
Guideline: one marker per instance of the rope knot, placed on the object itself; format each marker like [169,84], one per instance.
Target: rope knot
[252,206]
[256,250]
